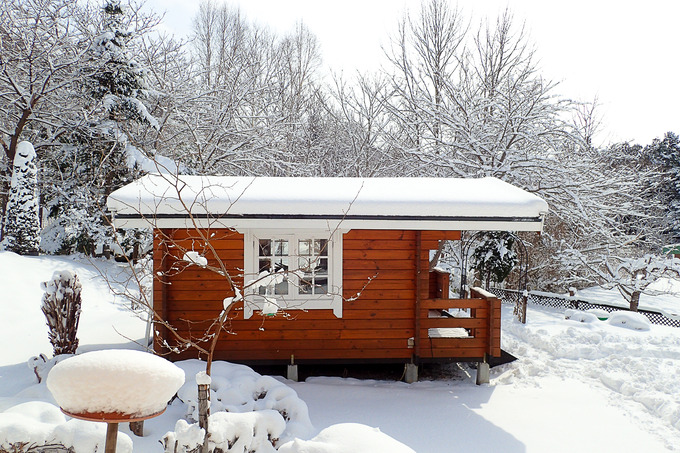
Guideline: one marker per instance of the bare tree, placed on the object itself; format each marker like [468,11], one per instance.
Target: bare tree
[359,112]
[426,56]
[41,49]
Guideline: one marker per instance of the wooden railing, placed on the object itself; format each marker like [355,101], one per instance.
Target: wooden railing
[460,328]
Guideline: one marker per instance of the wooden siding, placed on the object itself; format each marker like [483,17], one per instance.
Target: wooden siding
[382,287]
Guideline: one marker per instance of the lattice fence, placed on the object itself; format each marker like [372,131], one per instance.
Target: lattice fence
[555,301]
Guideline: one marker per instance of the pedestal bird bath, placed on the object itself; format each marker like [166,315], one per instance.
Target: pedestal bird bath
[114,386]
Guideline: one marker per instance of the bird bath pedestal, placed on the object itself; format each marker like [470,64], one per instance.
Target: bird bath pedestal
[111,420]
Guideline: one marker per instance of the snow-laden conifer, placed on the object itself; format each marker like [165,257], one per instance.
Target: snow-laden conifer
[120,82]
[22,224]
[103,153]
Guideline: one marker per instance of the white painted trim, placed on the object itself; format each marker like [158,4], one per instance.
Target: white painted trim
[253,301]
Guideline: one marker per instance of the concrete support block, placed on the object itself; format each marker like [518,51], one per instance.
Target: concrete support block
[292,373]
[482,373]
[411,374]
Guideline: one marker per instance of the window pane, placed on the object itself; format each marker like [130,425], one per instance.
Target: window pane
[321,285]
[265,247]
[304,265]
[320,247]
[305,284]
[281,247]
[304,247]
[281,265]
[321,266]
[265,265]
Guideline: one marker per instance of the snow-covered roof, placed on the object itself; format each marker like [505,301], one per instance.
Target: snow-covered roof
[165,201]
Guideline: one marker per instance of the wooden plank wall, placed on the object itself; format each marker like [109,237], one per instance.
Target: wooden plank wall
[379,285]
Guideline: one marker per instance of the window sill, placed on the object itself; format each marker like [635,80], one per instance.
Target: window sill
[321,302]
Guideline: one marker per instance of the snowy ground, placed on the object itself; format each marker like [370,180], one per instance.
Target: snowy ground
[576,387]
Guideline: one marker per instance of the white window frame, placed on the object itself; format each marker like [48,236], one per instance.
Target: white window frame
[294,301]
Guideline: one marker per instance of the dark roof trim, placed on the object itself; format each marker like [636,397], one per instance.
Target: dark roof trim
[332,217]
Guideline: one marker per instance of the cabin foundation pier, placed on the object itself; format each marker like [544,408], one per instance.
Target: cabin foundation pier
[482,373]
[292,373]
[411,373]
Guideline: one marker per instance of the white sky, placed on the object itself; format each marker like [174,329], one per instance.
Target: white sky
[624,52]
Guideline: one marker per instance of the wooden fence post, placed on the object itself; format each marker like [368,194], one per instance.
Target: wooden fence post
[204,412]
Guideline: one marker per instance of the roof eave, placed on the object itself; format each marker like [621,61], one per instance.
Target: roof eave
[330,223]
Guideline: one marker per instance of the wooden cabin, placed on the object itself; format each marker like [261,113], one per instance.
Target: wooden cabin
[330,269]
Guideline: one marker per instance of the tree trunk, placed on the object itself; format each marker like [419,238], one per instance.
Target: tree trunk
[634,300]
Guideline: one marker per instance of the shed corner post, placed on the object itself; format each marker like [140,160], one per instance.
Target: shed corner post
[160,307]
[412,368]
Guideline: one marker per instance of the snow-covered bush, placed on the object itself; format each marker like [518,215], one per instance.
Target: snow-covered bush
[61,306]
[41,427]
[22,224]
[254,432]
[629,320]
[580,316]
[239,389]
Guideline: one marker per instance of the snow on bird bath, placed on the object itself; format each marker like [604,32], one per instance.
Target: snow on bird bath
[115,381]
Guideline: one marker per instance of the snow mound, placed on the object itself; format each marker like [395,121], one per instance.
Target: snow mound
[629,320]
[238,389]
[347,438]
[114,381]
[580,316]
[600,313]
[42,424]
